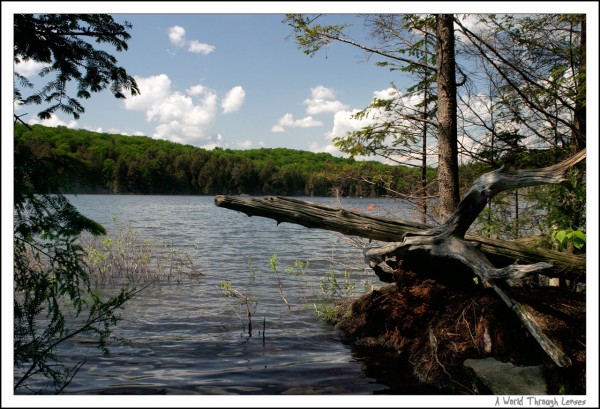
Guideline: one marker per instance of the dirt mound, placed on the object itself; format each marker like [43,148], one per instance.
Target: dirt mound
[434,322]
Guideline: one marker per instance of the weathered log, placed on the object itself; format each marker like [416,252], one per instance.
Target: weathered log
[312,215]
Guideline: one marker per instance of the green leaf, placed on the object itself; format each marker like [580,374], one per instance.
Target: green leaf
[561,237]
[578,238]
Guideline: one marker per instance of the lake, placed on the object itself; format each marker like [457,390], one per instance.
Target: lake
[188,337]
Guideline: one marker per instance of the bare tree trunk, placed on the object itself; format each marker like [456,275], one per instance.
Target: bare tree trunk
[580,108]
[447,128]
[426,75]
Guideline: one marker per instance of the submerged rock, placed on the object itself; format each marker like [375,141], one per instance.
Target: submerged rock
[504,378]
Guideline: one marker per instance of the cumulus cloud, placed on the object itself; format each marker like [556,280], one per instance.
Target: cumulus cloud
[389,93]
[152,89]
[343,122]
[177,38]
[195,90]
[322,100]
[182,117]
[288,121]
[321,92]
[245,144]
[195,46]
[29,67]
[328,148]
[233,100]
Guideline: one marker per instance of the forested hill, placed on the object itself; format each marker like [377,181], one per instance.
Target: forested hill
[94,162]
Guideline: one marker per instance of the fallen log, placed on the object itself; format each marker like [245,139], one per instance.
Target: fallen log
[313,215]
[414,241]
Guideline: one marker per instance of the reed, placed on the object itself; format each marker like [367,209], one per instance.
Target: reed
[123,256]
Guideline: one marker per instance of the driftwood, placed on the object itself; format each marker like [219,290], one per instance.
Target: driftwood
[313,215]
[409,240]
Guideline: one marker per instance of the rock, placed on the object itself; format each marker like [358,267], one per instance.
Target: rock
[504,378]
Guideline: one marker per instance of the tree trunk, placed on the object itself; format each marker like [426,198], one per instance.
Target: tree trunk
[447,128]
[580,107]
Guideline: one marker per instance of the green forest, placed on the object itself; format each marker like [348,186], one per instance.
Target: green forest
[91,162]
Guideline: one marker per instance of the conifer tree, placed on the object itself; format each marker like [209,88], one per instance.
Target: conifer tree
[54,300]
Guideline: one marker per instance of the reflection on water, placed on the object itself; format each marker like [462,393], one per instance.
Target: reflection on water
[189,339]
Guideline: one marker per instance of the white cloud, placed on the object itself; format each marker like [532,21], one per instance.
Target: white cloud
[320,92]
[177,36]
[152,89]
[323,100]
[288,121]
[211,145]
[307,122]
[233,100]
[343,122]
[181,108]
[246,144]
[182,117]
[113,131]
[389,93]
[195,46]
[328,148]
[195,90]
[29,67]
[54,121]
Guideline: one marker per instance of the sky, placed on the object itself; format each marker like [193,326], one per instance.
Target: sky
[228,74]
[230,80]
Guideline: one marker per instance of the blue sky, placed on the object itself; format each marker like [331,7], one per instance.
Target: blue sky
[229,74]
[232,80]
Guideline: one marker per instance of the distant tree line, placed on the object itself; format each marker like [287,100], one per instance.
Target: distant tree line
[91,162]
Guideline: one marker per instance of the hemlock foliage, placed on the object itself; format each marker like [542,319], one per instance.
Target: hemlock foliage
[54,300]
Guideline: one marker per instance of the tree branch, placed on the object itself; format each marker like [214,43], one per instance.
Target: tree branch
[470,35]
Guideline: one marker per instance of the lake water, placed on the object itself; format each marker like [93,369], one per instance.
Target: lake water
[187,337]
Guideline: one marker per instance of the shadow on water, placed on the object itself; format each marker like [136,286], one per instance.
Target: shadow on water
[395,375]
